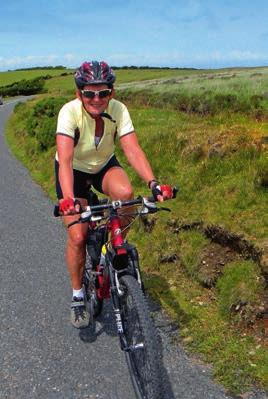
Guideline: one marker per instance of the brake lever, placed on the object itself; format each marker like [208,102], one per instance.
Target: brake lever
[149,205]
[174,191]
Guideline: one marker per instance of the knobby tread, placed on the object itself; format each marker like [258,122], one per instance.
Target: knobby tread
[150,340]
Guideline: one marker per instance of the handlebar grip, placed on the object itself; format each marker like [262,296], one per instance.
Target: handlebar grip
[57,208]
[56,211]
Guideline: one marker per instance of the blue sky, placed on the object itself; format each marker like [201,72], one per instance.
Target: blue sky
[174,33]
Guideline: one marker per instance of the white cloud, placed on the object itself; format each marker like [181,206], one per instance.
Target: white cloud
[172,59]
[29,60]
[70,58]
[183,59]
[235,55]
[38,60]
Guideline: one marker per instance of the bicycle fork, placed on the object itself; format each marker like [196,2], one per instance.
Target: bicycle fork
[115,294]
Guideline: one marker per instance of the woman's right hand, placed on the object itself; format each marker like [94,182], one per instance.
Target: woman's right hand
[69,206]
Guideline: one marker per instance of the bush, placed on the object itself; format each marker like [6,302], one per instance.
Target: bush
[24,87]
[45,133]
[202,103]
[40,121]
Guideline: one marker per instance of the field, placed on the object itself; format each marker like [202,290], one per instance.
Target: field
[65,85]
[10,77]
[207,262]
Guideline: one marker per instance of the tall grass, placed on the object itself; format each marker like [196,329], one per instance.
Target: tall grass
[239,91]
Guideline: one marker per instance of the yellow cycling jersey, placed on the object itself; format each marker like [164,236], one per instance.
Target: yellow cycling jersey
[74,121]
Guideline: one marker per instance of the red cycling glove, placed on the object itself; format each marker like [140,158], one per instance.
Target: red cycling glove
[163,190]
[65,204]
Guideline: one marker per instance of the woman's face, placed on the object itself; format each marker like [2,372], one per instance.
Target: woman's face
[95,98]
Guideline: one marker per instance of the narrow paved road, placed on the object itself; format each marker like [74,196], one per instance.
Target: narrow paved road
[41,355]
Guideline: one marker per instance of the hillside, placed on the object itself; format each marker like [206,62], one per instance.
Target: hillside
[206,264]
[10,77]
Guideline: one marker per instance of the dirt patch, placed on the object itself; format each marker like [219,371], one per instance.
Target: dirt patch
[236,243]
[214,258]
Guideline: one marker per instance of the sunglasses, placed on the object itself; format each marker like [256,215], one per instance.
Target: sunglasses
[100,93]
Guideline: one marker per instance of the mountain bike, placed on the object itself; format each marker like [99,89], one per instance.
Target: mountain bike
[112,272]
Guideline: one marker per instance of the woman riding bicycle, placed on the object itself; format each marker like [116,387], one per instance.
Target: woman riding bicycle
[86,131]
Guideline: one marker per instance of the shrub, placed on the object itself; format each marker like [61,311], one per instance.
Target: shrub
[202,103]
[45,133]
[24,87]
[40,120]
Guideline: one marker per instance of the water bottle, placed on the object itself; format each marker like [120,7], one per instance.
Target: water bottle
[102,257]
[103,290]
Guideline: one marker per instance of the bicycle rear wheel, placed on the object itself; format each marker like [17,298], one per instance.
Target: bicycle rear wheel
[142,356]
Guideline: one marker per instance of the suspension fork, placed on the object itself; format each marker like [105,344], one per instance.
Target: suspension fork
[117,241]
[116,306]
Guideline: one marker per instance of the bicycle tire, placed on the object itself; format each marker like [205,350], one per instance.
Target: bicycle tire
[143,363]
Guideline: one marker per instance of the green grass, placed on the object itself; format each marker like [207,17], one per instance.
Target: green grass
[191,244]
[65,84]
[243,91]
[249,81]
[219,162]
[9,77]
[240,283]
[192,91]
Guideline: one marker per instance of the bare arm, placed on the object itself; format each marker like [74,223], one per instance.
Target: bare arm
[65,148]
[136,157]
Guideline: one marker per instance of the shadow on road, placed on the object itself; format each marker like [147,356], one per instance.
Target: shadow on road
[104,324]
[167,391]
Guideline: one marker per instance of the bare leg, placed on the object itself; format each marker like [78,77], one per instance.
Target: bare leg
[76,248]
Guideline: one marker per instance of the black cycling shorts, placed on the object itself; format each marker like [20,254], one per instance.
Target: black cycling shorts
[83,181]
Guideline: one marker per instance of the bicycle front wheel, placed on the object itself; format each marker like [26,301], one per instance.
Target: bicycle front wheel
[142,355]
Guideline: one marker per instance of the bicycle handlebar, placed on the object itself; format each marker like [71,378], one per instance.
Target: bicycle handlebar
[149,203]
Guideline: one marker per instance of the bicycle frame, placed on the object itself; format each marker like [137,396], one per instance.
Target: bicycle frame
[119,255]
[116,275]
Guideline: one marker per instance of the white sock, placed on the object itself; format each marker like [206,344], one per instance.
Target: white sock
[78,293]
